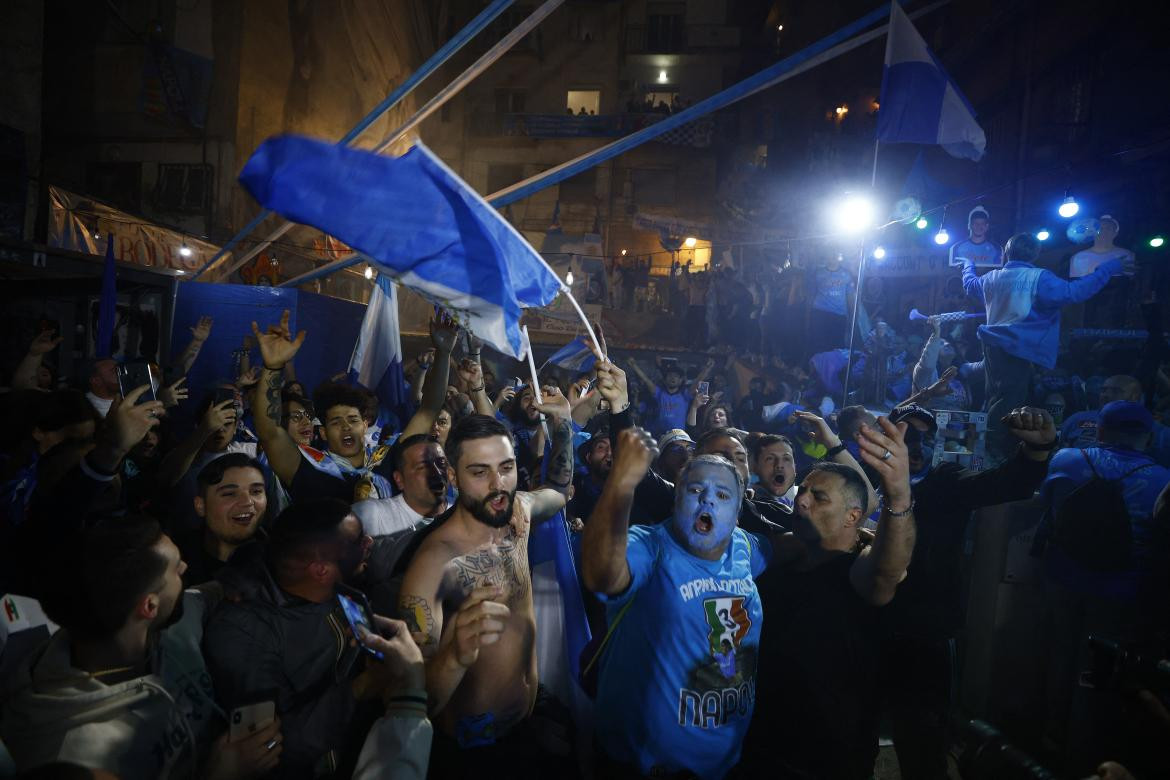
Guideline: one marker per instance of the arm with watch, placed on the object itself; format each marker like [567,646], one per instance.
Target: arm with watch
[838,453]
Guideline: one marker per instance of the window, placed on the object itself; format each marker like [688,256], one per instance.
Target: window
[508,21]
[581,188]
[501,175]
[654,186]
[183,188]
[583,101]
[509,101]
[665,26]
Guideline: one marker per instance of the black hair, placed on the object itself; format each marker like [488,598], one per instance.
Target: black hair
[1022,246]
[473,426]
[332,394]
[287,398]
[585,448]
[102,574]
[59,408]
[716,433]
[855,488]
[398,452]
[849,417]
[212,474]
[302,526]
[767,440]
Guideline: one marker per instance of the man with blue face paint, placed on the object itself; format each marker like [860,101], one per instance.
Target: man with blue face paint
[677,678]
[919,653]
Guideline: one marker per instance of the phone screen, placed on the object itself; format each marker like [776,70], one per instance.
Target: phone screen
[224,394]
[704,388]
[135,375]
[358,614]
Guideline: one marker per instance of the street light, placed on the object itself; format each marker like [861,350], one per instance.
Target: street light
[879,253]
[854,214]
[1068,207]
[690,242]
[1043,235]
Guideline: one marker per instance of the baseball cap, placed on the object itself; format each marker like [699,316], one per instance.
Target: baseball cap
[1126,416]
[673,436]
[914,412]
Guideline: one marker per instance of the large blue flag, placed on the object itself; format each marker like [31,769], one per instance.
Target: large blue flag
[418,220]
[919,102]
[377,356]
[108,307]
[575,356]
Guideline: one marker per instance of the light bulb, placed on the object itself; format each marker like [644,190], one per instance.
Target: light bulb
[854,214]
[922,224]
[623,253]
[1157,241]
[690,242]
[942,237]
[369,274]
[1069,207]
[661,77]
[879,253]
[185,250]
[1043,235]
[569,278]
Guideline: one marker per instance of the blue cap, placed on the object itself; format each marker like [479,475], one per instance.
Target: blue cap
[1126,416]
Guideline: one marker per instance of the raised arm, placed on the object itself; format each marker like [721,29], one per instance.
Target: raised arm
[972,284]
[1053,290]
[471,373]
[199,333]
[25,375]
[434,391]
[604,567]
[178,461]
[650,383]
[881,566]
[926,369]
[708,367]
[559,467]
[277,348]
[822,433]
[449,648]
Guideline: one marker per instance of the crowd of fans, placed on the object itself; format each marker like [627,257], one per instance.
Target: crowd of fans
[251,579]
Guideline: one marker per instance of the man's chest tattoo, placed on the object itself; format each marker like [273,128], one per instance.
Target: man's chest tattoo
[499,564]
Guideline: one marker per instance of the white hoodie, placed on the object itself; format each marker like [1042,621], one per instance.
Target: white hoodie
[148,727]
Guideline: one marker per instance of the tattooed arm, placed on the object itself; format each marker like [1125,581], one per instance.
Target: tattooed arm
[277,347]
[448,649]
[559,472]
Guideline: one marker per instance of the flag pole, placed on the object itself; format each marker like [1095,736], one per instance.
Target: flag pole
[535,379]
[588,326]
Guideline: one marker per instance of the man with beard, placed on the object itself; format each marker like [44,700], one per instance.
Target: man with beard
[280,634]
[774,465]
[420,473]
[122,686]
[467,596]
[919,649]
[597,456]
[231,502]
[523,418]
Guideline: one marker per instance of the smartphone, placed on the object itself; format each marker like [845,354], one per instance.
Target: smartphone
[592,384]
[357,613]
[250,718]
[704,388]
[134,375]
[223,394]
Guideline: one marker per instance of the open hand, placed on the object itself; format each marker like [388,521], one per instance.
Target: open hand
[278,346]
[444,332]
[44,343]
[202,329]
[218,416]
[884,449]
[174,393]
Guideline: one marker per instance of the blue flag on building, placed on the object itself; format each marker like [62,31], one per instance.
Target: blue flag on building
[108,307]
[920,103]
[419,221]
[575,356]
[377,356]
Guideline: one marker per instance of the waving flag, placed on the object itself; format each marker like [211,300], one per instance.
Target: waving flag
[377,356]
[920,103]
[575,356]
[420,223]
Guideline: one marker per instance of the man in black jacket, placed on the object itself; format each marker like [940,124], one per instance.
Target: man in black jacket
[281,635]
[927,611]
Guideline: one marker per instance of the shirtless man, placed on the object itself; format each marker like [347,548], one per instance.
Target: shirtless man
[467,593]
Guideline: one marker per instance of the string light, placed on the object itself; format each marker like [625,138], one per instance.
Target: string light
[185,250]
[942,236]
[922,224]
[569,278]
[1043,235]
[369,273]
[1068,207]
[1157,241]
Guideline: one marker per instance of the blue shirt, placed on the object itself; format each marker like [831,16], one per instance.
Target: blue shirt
[672,410]
[832,290]
[1068,470]
[985,255]
[1023,305]
[1080,431]
[664,697]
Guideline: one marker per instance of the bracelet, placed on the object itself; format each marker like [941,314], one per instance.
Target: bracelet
[270,368]
[891,513]
[475,389]
[1042,447]
[835,451]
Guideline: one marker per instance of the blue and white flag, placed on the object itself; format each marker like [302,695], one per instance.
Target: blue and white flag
[919,103]
[377,356]
[419,221]
[575,356]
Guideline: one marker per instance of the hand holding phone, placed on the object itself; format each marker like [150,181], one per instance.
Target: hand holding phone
[704,388]
[134,375]
[359,616]
[250,718]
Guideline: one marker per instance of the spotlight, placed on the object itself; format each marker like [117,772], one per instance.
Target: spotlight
[185,250]
[879,253]
[1157,241]
[369,273]
[1068,207]
[661,77]
[922,224]
[942,236]
[690,242]
[569,278]
[1043,235]
[854,214]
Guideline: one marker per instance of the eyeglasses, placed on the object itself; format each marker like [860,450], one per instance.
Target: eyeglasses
[299,416]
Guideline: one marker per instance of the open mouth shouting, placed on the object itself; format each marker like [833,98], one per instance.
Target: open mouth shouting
[348,442]
[704,523]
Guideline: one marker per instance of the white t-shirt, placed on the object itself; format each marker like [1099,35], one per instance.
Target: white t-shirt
[381,516]
[1086,261]
[101,404]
